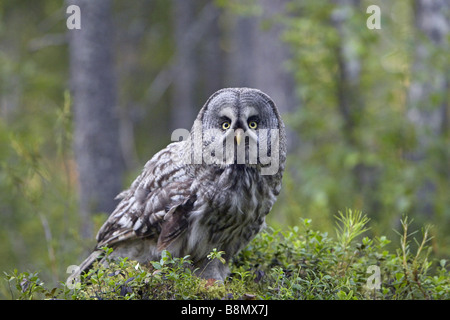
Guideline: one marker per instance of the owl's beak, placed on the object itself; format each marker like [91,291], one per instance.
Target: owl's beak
[239,133]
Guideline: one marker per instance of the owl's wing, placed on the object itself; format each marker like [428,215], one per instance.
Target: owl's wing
[155,206]
[175,223]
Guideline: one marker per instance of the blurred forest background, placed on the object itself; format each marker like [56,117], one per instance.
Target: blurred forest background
[81,111]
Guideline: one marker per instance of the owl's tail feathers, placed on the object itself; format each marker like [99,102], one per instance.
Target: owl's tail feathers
[77,271]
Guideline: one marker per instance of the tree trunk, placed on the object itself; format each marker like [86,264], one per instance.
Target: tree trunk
[212,63]
[186,69]
[348,96]
[96,138]
[428,92]
[349,68]
[426,112]
[258,58]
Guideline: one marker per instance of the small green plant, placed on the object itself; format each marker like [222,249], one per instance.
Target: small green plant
[216,255]
[25,285]
[412,280]
[352,224]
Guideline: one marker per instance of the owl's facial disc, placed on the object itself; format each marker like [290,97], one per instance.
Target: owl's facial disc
[238,126]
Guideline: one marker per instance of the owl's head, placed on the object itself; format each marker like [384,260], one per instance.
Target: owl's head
[241,126]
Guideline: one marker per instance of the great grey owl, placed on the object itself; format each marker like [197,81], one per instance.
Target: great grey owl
[211,190]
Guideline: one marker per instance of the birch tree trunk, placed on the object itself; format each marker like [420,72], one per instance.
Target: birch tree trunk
[349,68]
[428,92]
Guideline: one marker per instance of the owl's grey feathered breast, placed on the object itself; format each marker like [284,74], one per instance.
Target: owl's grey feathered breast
[212,190]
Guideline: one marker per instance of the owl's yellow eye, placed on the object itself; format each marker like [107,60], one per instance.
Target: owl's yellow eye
[226,125]
[252,124]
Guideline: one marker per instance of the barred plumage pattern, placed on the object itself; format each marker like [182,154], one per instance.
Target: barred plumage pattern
[190,209]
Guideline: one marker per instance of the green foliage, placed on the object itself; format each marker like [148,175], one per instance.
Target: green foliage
[360,159]
[357,142]
[300,263]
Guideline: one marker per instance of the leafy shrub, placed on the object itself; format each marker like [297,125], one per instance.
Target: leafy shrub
[299,263]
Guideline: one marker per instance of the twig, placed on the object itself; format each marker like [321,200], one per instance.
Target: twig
[48,239]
